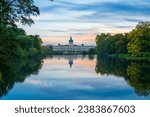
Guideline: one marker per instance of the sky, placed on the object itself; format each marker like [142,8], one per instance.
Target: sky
[84,19]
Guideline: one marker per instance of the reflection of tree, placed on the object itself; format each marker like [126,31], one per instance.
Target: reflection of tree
[17,71]
[135,73]
[91,56]
[139,78]
[110,66]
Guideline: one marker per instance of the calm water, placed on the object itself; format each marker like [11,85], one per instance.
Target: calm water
[75,77]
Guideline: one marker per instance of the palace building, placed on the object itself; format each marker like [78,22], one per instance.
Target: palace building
[71,47]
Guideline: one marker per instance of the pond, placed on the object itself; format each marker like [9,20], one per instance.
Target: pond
[75,77]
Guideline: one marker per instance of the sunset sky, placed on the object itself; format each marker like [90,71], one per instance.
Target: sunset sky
[84,19]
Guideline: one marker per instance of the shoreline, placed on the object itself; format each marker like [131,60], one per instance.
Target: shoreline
[128,57]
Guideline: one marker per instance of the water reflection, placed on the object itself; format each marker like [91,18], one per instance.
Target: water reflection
[75,77]
[69,59]
[136,73]
[16,71]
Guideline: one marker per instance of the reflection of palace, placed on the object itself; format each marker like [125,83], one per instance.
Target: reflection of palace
[72,47]
[70,58]
[70,61]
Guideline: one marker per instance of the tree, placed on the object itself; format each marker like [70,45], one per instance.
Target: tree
[8,43]
[111,44]
[121,44]
[101,46]
[143,25]
[139,39]
[37,42]
[13,11]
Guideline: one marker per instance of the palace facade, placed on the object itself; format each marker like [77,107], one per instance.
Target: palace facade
[71,47]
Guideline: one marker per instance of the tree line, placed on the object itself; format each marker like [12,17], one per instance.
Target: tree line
[135,43]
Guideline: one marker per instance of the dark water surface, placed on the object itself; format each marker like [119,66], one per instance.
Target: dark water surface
[75,77]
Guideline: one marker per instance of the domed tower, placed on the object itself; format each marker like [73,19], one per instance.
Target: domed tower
[71,42]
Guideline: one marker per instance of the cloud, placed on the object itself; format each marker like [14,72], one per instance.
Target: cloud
[53,30]
[133,20]
[74,30]
[124,26]
[95,12]
[81,17]
[105,6]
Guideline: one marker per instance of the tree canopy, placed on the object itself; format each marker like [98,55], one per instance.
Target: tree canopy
[111,44]
[139,39]
[13,11]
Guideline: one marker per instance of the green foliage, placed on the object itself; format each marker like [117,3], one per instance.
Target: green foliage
[100,43]
[139,39]
[8,44]
[13,11]
[46,49]
[37,42]
[14,43]
[111,44]
[32,52]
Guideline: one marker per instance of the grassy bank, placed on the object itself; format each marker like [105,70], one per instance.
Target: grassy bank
[129,57]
